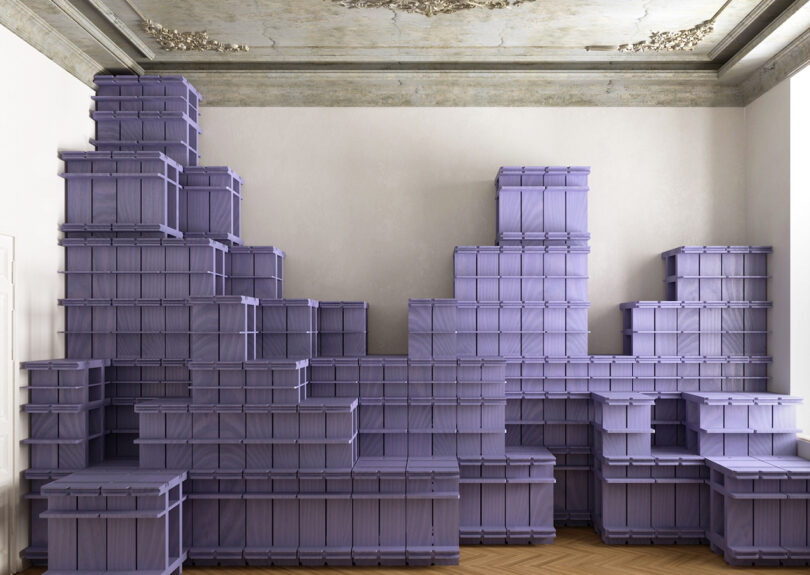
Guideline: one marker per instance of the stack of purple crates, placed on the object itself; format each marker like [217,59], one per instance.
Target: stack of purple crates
[221,423]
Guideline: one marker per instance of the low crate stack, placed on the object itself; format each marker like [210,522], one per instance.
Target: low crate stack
[67,403]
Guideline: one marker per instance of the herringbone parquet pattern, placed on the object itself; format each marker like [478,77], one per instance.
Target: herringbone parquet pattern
[575,551]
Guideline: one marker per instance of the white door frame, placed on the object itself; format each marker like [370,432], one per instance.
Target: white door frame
[9,474]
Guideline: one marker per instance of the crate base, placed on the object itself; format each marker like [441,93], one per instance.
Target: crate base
[674,536]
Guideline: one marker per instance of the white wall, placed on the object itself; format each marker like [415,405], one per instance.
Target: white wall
[800,241]
[43,109]
[369,202]
[767,164]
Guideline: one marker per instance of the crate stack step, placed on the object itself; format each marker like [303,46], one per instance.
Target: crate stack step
[759,510]
[108,519]
[717,273]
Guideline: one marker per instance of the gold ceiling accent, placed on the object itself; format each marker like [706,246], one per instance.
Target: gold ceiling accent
[680,41]
[176,41]
[431,7]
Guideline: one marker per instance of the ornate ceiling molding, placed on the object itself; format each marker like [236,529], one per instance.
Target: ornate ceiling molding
[172,40]
[680,41]
[431,7]
[175,40]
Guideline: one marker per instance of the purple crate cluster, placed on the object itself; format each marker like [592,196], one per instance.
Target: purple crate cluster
[342,328]
[288,328]
[143,268]
[211,204]
[123,194]
[661,498]
[116,519]
[256,271]
[741,424]
[717,273]
[521,273]
[759,510]
[695,328]
[542,205]
[507,499]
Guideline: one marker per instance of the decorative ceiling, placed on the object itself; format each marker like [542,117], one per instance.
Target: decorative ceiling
[432,52]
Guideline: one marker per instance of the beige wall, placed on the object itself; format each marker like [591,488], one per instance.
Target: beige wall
[368,203]
[44,109]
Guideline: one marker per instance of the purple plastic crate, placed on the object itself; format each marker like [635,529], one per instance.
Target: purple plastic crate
[124,193]
[116,519]
[255,271]
[432,329]
[211,204]
[223,328]
[288,328]
[507,499]
[759,510]
[528,329]
[542,176]
[143,268]
[66,381]
[259,382]
[343,328]
[707,328]
[172,133]
[715,273]
[645,505]
[131,93]
[515,274]
[547,200]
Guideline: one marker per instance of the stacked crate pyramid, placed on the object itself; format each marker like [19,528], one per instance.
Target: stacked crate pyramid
[201,417]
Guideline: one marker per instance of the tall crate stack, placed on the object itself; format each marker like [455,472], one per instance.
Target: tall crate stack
[525,300]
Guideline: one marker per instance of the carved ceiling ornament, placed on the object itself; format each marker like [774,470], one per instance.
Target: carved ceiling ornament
[680,41]
[431,7]
[172,40]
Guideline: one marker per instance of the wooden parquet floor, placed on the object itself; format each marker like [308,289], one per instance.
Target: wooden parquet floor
[575,551]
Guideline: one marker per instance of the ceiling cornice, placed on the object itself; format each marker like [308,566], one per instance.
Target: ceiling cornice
[96,39]
[461,88]
[29,26]
[785,64]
